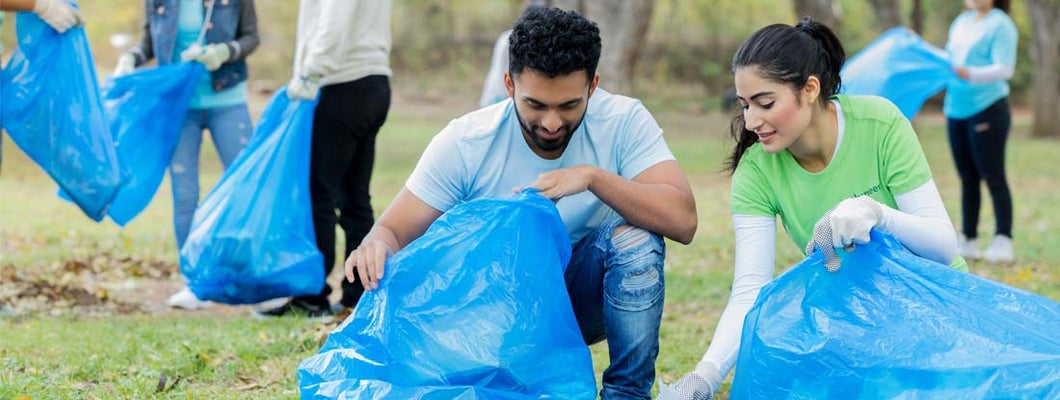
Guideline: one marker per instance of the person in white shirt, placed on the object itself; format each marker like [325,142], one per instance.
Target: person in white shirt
[342,55]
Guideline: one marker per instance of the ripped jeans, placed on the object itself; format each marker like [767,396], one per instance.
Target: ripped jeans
[616,286]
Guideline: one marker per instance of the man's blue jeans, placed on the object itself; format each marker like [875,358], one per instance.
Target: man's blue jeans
[615,282]
[230,128]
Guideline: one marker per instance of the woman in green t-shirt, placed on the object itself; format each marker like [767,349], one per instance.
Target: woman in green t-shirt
[814,158]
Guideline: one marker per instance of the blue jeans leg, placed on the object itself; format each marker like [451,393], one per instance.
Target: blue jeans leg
[615,281]
[230,128]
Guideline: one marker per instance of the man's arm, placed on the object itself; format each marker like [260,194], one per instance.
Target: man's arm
[404,220]
[658,199]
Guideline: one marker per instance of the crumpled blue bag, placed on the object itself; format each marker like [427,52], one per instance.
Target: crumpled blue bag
[889,325]
[252,237]
[50,105]
[476,308]
[146,110]
[898,66]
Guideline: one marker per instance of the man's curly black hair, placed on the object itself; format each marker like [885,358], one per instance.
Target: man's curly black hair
[553,42]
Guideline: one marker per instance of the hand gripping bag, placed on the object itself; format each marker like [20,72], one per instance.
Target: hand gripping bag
[146,110]
[892,325]
[252,237]
[50,105]
[476,308]
[898,66]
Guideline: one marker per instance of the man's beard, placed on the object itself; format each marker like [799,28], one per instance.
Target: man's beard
[544,144]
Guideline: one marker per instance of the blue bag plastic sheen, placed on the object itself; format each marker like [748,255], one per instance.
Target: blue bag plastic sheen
[146,110]
[476,308]
[50,105]
[252,237]
[892,325]
[898,66]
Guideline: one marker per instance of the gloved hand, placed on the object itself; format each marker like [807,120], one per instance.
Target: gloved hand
[847,224]
[59,14]
[126,65]
[303,88]
[211,56]
[691,386]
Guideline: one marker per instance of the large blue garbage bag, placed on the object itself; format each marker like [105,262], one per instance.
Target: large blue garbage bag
[252,237]
[889,325]
[146,110]
[899,66]
[476,308]
[50,105]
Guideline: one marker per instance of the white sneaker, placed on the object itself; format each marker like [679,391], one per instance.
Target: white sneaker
[1000,250]
[187,300]
[969,249]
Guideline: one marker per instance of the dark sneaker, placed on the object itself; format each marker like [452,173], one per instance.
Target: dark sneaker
[300,308]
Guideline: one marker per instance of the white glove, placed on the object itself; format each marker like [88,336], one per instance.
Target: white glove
[59,14]
[303,88]
[126,65]
[852,220]
[847,224]
[691,386]
[211,56]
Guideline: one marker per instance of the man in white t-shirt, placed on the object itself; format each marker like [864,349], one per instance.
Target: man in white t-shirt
[601,157]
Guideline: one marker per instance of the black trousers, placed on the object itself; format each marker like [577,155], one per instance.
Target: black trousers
[347,119]
[978,146]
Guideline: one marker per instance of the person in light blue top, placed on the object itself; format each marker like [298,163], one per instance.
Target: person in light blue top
[601,157]
[982,47]
[220,34]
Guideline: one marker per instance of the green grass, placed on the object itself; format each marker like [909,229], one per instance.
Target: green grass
[227,354]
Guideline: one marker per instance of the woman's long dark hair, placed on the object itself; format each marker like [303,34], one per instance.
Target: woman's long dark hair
[1002,5]
[789,55]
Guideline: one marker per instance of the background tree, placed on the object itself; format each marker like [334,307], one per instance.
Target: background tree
[823,11]
[888,13]
[623,28]
[1045,54]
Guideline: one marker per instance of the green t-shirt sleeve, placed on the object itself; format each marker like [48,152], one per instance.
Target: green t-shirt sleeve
[750,194]
[904,166]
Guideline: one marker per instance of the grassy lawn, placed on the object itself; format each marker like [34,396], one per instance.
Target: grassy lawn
[80,302]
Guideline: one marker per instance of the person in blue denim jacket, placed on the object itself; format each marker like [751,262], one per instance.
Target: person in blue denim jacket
[219,34]
[601,157]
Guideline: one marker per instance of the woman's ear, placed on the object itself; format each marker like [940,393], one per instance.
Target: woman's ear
[811,90]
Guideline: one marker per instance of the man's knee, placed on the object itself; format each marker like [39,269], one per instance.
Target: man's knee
[635,280]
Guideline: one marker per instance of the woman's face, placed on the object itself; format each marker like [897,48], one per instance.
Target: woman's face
[981,5]
[771,110]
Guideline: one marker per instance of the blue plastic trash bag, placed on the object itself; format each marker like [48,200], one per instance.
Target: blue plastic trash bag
[898,66]
[252,237]
[890,324]
[50,105]
[476,308]
[146,110]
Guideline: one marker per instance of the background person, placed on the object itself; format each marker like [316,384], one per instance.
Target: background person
[982,43]
[180,30]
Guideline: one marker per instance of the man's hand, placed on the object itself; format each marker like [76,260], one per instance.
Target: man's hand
[564,182]
[368,261]
[126,65]
[962,72]
[59,14]
[303,88]
[211,56]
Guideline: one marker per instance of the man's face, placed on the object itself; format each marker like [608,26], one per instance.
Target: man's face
[550,109]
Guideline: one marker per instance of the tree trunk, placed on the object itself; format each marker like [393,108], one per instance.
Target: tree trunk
[1045,53]
[916,17]
[822,11]
[888,13]
[623,29]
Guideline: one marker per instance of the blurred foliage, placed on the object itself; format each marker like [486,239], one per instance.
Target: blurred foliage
[690,42]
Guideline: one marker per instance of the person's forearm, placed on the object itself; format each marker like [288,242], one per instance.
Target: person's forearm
[663,208]
[922,224]
[17,5]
